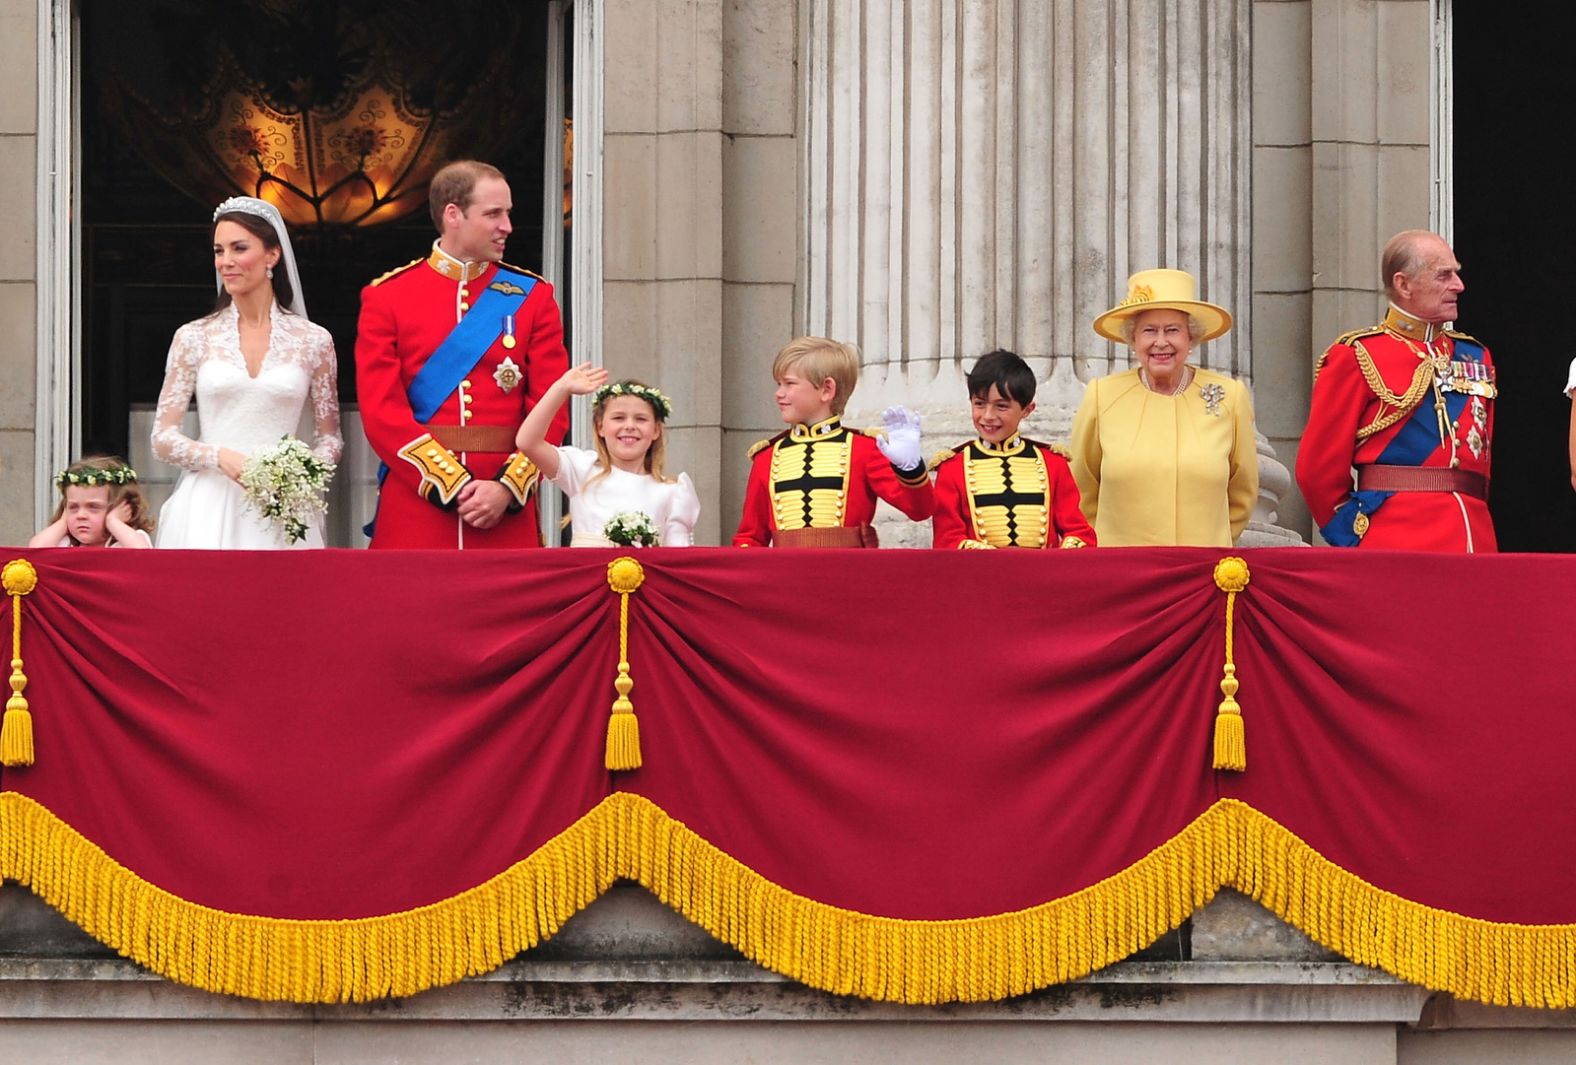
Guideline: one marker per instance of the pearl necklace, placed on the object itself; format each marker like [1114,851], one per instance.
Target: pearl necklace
[1148,382]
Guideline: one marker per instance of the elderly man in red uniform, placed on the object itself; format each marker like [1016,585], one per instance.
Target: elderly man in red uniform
[451,351]
[1410,405]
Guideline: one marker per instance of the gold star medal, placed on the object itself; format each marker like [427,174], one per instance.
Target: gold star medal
[507,374]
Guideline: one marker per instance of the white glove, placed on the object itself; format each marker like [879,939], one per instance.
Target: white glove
[901,443]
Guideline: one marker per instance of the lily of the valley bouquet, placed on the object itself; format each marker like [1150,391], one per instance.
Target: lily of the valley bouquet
[286,484]
[632,528]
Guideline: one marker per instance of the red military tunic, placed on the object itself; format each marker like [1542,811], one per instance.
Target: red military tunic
[405,315]
[1018,494]
[825,477]
[1395,400]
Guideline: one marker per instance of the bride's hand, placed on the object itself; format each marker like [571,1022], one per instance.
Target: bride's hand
[231,463]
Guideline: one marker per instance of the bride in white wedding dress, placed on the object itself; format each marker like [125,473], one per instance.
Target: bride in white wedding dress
[253,364]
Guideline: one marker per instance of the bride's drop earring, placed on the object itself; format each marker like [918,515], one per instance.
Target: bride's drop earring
[270,273]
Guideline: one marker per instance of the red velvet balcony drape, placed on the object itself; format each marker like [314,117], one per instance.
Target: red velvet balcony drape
[920,776]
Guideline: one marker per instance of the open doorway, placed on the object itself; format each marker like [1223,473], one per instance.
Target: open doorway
[146,189]
[1514,239]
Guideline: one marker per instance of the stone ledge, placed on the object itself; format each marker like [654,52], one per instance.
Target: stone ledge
[1174,992]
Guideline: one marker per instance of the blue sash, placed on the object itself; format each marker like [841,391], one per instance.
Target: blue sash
[467,342]
[460,351]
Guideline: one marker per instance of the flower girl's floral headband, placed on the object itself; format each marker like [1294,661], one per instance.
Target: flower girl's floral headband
[659,402]
[93,478]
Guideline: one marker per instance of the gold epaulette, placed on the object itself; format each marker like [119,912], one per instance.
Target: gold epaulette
[1350,338]
[523,270]
[1055,449]
[396,270]
[942,456]
[761,445]
[1464,336]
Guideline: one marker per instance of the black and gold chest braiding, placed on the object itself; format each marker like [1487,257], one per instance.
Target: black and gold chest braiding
[810,476]
[1009,493]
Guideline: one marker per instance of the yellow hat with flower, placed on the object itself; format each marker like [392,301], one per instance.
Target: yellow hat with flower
[1163,290]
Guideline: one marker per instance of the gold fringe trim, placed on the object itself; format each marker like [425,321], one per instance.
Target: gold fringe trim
[278,959]
[842,951]
[1499,963]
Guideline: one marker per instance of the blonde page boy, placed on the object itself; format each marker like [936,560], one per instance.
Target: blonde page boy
[815,484]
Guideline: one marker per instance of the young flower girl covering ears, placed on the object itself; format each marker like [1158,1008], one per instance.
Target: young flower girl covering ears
[100,506]
[623,477]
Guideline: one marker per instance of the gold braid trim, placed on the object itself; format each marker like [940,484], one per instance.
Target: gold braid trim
[920,962]
[1422,381]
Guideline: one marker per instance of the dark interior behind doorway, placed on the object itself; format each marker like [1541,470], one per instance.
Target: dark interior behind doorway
[1515,232]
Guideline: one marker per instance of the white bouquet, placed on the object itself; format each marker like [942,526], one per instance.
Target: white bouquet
[286,484]
[632,528]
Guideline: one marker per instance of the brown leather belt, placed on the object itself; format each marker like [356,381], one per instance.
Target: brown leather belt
[846,536]
[1380,478]
[497,439]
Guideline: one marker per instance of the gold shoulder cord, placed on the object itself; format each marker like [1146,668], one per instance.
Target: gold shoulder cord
[1422,379]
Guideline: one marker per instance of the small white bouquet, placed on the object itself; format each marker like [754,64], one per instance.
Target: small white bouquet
[286,484]
[633,528]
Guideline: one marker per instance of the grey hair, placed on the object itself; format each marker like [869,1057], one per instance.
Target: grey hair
[1129,325]
[1405,253]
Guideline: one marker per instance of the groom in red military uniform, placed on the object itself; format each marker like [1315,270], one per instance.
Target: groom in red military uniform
[451,351]
[1410,405]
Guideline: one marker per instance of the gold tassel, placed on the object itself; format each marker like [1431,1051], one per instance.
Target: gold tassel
[1231,745]
[16,731]
[624,576]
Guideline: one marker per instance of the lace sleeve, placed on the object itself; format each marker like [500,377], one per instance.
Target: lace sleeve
[327,443]
[180,381]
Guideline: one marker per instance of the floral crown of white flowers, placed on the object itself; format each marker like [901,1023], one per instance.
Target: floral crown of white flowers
[93,478]
[661,403]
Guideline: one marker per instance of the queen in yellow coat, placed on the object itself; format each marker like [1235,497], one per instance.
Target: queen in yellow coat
[1164,454]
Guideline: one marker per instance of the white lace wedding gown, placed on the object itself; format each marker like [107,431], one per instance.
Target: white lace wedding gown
[243,413]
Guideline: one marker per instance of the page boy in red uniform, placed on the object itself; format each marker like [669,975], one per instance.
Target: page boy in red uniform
[1001,490]
[816,484]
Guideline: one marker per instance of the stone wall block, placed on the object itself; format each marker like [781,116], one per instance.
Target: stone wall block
[759,68]
[18,384]
[689,221]
[1282,73]
[1403,33]
[18,67]
[1282,234]
[759,211]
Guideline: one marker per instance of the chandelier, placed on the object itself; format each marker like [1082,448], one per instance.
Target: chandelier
[336,113]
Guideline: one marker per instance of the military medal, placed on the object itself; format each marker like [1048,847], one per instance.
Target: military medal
[508,334]
[507,374]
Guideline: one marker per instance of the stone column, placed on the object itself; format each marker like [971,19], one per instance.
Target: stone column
[983,175]
[662,221]
[18,267]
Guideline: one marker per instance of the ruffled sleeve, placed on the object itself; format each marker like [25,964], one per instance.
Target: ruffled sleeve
[575,467]
[683,513]
[180,381]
